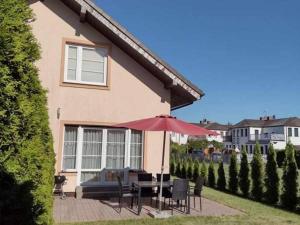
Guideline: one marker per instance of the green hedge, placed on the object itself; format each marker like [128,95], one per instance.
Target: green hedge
[26,151]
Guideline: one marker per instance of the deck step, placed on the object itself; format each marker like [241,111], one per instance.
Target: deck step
[97,191]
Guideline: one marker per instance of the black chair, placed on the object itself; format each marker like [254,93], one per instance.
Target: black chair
[180,192]
[59,182]
[122,194]
[198,190]
[166,192]
[147,191]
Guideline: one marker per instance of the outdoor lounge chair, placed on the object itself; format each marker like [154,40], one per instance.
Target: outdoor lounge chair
[180,192]
[131,194]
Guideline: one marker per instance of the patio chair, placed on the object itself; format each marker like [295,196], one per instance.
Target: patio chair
[59,182]
[145,191]
[198,190]
[166,192]
[180,192]
[122,194]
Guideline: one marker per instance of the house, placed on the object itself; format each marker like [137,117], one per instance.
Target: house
[266,130]
[97,74]
[224,133]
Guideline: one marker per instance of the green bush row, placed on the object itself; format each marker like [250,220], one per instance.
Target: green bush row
[255,180]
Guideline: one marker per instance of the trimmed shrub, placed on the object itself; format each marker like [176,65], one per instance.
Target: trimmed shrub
[178,168]
[233,174]
[196,172]
[26,155]
[221,182]
[280,156]
[211,175]
[244,181]
[289,179]
[190,170]
[203,171]
[271,177]
[184,169]
[173,165]
[257,174]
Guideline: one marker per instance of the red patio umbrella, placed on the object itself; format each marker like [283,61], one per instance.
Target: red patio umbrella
[166,123]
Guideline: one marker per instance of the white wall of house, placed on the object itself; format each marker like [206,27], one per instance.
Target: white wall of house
[179,138]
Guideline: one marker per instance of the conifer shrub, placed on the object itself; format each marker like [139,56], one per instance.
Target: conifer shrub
[257,174]
[190,169]
[233,174]
[221,182]
[196,172]
[203,171]
[26,146]
[211,175]
[179,168]
[173,165]
[289,179]
[271,177]
[244,181]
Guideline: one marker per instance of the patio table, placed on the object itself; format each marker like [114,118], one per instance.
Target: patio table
[147,184]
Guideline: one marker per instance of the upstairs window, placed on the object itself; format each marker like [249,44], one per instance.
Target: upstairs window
[85,65]
[296,132]
[290,134]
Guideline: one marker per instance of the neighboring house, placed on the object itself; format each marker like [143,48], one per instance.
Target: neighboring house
[97,75]
[266,130]
[179,138]
[224,133]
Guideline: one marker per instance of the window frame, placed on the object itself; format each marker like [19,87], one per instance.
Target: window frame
[80,47]
[290,132]
[296,132]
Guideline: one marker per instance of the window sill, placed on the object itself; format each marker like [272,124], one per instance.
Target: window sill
[86,86]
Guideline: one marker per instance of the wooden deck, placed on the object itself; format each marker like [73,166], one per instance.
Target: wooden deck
[83,210]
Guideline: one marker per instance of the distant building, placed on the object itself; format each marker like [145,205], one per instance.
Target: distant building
[266,130]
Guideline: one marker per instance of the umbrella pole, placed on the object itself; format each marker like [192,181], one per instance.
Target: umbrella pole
[162,171]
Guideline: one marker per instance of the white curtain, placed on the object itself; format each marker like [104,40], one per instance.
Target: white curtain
[136,145]
[115,149]
[91,149]
[70,145]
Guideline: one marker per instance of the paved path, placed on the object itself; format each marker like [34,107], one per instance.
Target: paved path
[83,210]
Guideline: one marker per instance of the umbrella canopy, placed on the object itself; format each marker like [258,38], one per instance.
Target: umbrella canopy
[167,123]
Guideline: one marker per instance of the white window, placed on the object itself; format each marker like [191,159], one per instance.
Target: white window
[85,65]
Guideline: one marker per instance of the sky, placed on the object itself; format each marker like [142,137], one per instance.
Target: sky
[245,55]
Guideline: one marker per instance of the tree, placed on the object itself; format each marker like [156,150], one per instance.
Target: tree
[26,156]
[271,177]
[203,171]
[184,169]
[289,179]
[221,182]
[173,165]
[198,144]
[233,174]
[211,175]
[257,173]
[179,167]
[190,169]
[196,172]
[244,181]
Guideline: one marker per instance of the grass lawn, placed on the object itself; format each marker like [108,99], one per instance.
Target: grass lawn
[254,213]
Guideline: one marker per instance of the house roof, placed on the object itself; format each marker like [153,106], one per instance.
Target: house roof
[183,92]
[213,126]
[291,121]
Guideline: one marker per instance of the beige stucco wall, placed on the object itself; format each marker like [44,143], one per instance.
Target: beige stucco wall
[133,92]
